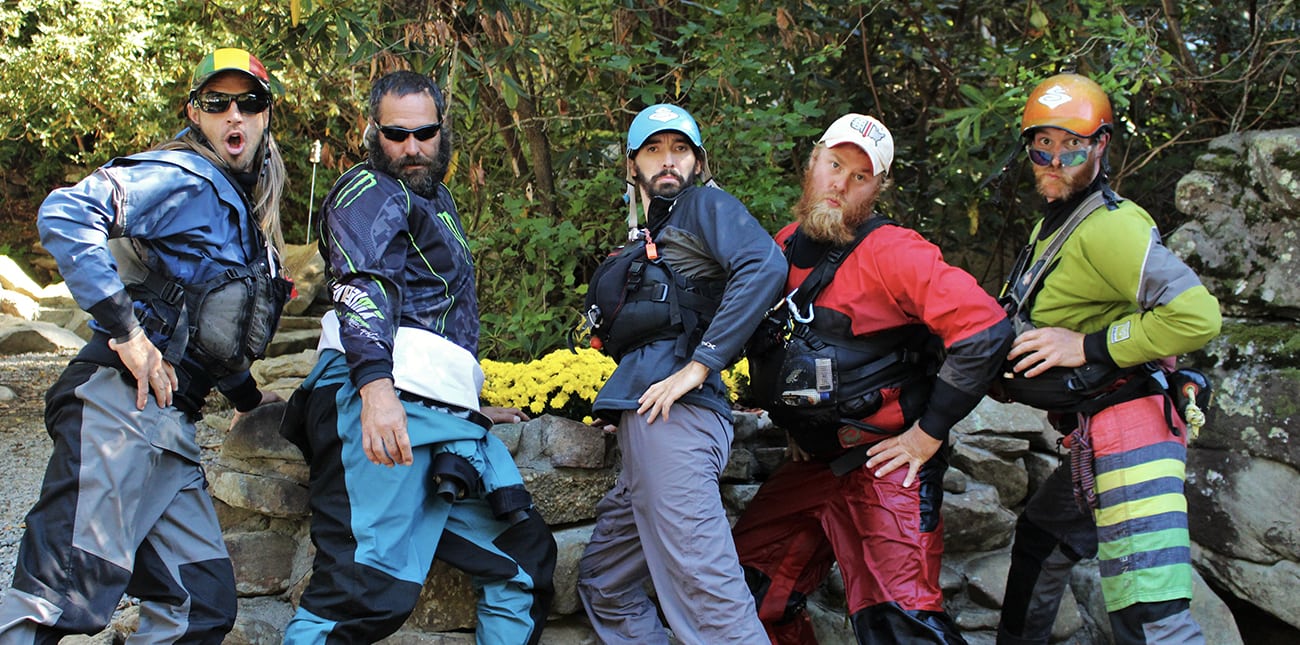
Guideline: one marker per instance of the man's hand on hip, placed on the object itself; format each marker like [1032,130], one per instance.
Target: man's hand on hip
[1041,349]
[658,398]
[912,449]
[146,364]
[383,425]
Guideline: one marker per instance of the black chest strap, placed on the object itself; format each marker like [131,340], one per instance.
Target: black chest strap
[800,300]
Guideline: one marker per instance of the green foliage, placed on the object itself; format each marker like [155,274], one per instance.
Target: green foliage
[87,80]
[528,277]
[541,93]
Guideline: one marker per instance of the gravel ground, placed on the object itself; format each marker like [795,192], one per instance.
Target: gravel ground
[24,446]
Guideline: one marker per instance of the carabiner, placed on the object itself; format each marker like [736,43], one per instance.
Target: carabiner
[794,309]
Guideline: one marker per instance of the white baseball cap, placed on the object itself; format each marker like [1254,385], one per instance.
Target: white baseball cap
[867,133]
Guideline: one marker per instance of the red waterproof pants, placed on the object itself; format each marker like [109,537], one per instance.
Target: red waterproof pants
[887,539]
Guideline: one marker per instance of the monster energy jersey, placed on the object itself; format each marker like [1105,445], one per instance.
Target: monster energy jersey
[395,259]
[1114,281]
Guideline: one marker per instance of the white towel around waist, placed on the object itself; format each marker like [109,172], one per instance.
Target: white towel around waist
[424,364]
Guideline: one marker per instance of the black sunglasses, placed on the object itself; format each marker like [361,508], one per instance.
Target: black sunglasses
[219,102]
[398,134]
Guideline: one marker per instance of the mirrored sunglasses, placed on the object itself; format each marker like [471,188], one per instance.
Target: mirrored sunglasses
[399,134]
[219,102]
[1069,158]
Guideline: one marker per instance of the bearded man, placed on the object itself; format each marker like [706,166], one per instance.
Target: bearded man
[863,484]
[1114,303]
[403,468]
[663,521]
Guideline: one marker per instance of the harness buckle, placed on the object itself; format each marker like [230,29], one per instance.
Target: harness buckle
[635,272]
[155,325]
[662,296]
[172,292]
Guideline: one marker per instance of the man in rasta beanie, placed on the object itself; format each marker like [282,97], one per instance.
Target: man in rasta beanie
[124,507]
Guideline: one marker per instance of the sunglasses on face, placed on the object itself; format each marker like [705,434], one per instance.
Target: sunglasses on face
[399,134]
[1069,158]
[219,102]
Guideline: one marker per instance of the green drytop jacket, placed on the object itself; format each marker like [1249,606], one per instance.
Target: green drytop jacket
[1114,281]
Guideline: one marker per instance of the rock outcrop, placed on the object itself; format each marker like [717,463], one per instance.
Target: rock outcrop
[1243,480]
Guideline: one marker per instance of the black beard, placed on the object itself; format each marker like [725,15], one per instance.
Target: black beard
[667,193]
[424,178]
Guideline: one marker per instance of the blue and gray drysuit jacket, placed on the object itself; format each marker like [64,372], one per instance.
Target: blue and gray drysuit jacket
[402,281]
[709,236]
[188,222]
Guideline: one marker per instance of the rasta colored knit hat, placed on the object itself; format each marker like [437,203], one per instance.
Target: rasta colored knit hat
[229,59]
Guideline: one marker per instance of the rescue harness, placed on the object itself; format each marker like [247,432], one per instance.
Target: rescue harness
[636,298]
[813,382]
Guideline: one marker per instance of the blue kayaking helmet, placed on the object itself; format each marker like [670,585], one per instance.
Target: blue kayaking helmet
[659,118]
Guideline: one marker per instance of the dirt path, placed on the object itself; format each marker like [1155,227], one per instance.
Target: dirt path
[24,446]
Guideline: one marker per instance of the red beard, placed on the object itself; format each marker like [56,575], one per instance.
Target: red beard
[825,223]
[1062,187]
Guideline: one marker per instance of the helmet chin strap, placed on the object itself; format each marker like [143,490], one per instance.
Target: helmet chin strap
[633,228]
[706,175]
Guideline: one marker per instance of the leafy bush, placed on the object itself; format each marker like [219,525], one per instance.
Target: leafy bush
[541,93]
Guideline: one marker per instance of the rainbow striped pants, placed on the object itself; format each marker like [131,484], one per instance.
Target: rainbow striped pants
[1138,533]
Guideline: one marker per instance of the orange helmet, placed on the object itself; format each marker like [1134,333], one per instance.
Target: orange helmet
[1070,102]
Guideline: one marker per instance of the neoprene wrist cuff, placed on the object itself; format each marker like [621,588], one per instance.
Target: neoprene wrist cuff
[116,314]
[1095,349]
[245,396]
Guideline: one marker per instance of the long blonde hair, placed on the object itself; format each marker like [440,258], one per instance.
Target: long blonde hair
[268,190]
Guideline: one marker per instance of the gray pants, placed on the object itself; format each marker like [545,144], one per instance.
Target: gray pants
[123,509]
[663,521]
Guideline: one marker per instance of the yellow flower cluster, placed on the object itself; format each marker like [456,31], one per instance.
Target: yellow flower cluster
[736,378]
[561,383]
[564,384]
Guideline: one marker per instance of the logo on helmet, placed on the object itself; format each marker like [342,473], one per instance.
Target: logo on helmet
[1055,97]
[664,114]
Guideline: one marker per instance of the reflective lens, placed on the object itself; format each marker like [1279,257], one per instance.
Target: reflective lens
[219,102]
[1069,158]
[398,134]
